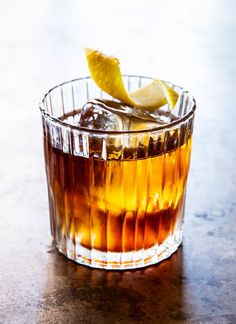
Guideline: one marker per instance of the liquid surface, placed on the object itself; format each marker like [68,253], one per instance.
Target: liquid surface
[115,116]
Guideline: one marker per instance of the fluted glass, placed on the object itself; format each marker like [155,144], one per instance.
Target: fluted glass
[116,199]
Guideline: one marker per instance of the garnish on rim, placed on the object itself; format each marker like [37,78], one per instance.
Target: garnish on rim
[105,71]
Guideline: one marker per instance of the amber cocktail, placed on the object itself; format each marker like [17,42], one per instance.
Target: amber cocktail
[116,197]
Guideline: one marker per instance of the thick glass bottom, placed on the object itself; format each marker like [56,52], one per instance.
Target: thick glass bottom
[121,260]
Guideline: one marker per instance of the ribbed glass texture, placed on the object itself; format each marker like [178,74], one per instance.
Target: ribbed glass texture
[116,199]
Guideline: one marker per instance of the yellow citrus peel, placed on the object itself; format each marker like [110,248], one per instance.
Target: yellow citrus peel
[105,71]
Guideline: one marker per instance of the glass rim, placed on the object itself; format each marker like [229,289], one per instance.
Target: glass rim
[120,132]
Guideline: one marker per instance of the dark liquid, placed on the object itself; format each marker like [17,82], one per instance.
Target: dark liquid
[116,205]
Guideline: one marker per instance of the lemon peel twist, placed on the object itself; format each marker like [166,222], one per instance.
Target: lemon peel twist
[105,71]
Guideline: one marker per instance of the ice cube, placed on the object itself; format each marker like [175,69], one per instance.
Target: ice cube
[114,116]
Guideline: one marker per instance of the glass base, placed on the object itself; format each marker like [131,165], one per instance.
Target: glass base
[121,260]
